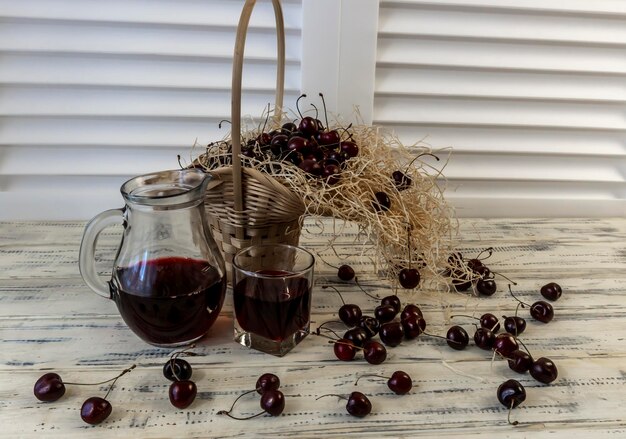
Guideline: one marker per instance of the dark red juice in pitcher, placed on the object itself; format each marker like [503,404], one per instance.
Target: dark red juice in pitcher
[275,306]
[168,300]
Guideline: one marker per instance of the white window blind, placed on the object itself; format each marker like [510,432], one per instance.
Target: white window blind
[94,92]
[530,94]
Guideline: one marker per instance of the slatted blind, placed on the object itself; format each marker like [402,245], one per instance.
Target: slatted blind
[530,94]
[94,92]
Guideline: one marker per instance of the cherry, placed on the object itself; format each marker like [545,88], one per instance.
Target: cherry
[551,291]
[484,338]
[457,338]
[374,352]
[505,344]
[400,382]
[358,404]
[49,387]
[460,282]
[344,349]
[391,333]
[312,167]
[331,173]
[520,361]
[490,321]
[288,128]
[486,287]
[357,335]
[370,325]
[384,313]
[349,148]
[279,143]
[382,202]
[413,326]
[474,264]
[514,325]
[542,311]
[266,382]
[411,310]
[272,402]
[345,273]
[182,393]
[95,410]
[329,138]
[299,144]
[264,139]
[483,271]
[177,369]
[401,180]
[511,394]
[350,314]
[409,278]
[544,370]
[392,300]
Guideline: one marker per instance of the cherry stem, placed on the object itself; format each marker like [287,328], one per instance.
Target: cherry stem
[176,354]
[222,412]
[501,275]
[369,375]
[464,315]
[346,130]
[317,112]
[303,95]
[515,297]
[356,281]
[179,163]
[340,296]
[101,382]
[323,260]
[325,112]
[408,242]
[227,412]
[417,157]
[488,249]
[332,394]
[317,331]
[124,372]
[222,121]
[516,308]
[522,343]
[508,418]
[266,118]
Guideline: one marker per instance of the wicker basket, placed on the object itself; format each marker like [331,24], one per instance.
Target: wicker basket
[244,206]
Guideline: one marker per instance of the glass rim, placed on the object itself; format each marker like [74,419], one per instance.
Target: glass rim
[190,182]
[261,275]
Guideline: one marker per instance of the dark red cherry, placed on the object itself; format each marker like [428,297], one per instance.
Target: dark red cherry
[409,278]
[345,272]
[288,128]
[460,281]
[392,300]
[292,157]
[311,167]
[49,387]
[542,311]
[349,148]
[95,410]
[384,313]
[182,393]
[520,361]
[505,344]
[544,370]
[484,338]
[350,314]
[382,202]
[411,310]
[266,382]
[413,326]
[357,335]
[514,325]
[279,143]
[299,144]
[400,382]
[179,372]
[358,405]
[401,180]
[370,325]
[309,126]
[344,350]
[273,402]
[329,138]
[391,333]
[457,338]
[551,291]
[483,271]
[486,287]
[264,139]
[474,264]
[374,352]
[331,173]
[511,393]
[490,322]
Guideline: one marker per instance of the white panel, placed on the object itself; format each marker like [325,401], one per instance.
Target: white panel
[530,97]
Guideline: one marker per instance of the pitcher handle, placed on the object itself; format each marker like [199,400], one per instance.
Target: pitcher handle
[86,258]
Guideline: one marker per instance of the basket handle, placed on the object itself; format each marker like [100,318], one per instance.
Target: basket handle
[240,42]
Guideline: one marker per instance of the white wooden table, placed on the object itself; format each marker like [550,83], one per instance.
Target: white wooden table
[49,321]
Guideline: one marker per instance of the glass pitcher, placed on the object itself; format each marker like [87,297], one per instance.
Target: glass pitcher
[168,278]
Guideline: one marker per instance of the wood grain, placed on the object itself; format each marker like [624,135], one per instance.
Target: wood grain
[50,321]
